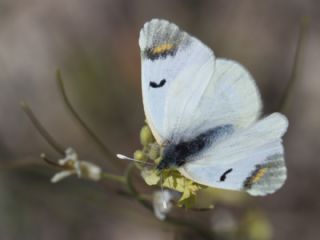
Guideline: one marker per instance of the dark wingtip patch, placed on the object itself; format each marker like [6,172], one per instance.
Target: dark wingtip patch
[160,39]
[272,169]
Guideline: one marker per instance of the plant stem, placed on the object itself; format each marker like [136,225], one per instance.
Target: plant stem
[104,149]
[18,164]
[286,98]
[44,157]
[132,190]
[43,132]
[115,178]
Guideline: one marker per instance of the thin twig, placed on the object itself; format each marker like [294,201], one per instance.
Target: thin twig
[286,98]
[44,157]
[105,150]
[52,142]
[18,164]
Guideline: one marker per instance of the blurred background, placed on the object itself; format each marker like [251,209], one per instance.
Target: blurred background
[95,44]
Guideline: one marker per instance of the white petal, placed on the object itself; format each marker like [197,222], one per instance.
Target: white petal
[90,170]
[71,154]
[61,175]
[162,203]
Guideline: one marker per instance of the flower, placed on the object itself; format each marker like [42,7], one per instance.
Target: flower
[162,203]
[171,178]
[71,165]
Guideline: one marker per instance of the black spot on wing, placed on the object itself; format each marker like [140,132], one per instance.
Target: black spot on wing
[157,85]
[224,175]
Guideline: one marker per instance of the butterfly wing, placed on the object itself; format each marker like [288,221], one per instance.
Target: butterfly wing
[250,159]
[186,91]
[230,97]
[170,55]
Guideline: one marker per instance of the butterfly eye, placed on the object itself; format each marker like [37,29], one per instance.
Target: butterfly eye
[157,85]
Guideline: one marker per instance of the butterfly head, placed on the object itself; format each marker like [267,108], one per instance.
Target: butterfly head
[174,155]
[163,165]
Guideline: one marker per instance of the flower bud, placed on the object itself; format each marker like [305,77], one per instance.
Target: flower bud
[146,136]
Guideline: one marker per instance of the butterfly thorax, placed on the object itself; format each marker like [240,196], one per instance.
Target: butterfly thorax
[177,154]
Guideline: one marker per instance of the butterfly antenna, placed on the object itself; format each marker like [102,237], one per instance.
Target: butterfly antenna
[123,157]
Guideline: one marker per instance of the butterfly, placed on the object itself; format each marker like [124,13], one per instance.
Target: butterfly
[204,111]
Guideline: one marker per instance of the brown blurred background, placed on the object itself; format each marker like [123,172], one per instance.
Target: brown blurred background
[95,43]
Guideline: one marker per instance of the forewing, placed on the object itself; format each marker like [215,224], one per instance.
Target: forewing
[251,159]
[186,91]
[230,97]
[171,56]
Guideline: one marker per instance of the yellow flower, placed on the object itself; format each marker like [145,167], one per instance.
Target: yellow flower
[171,178]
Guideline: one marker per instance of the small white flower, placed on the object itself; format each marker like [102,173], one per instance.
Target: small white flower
[162,203]
[73,166]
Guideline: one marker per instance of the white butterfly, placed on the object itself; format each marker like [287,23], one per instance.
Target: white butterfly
[204,112]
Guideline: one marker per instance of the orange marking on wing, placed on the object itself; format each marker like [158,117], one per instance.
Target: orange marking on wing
[162,48]
[260,173]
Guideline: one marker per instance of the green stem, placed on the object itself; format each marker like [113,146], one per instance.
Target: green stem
[132,190]
[43,132]
[104,149]
[115,178]
[284,102]
[128,179]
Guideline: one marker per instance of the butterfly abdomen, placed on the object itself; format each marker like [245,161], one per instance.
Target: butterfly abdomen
[176,154]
